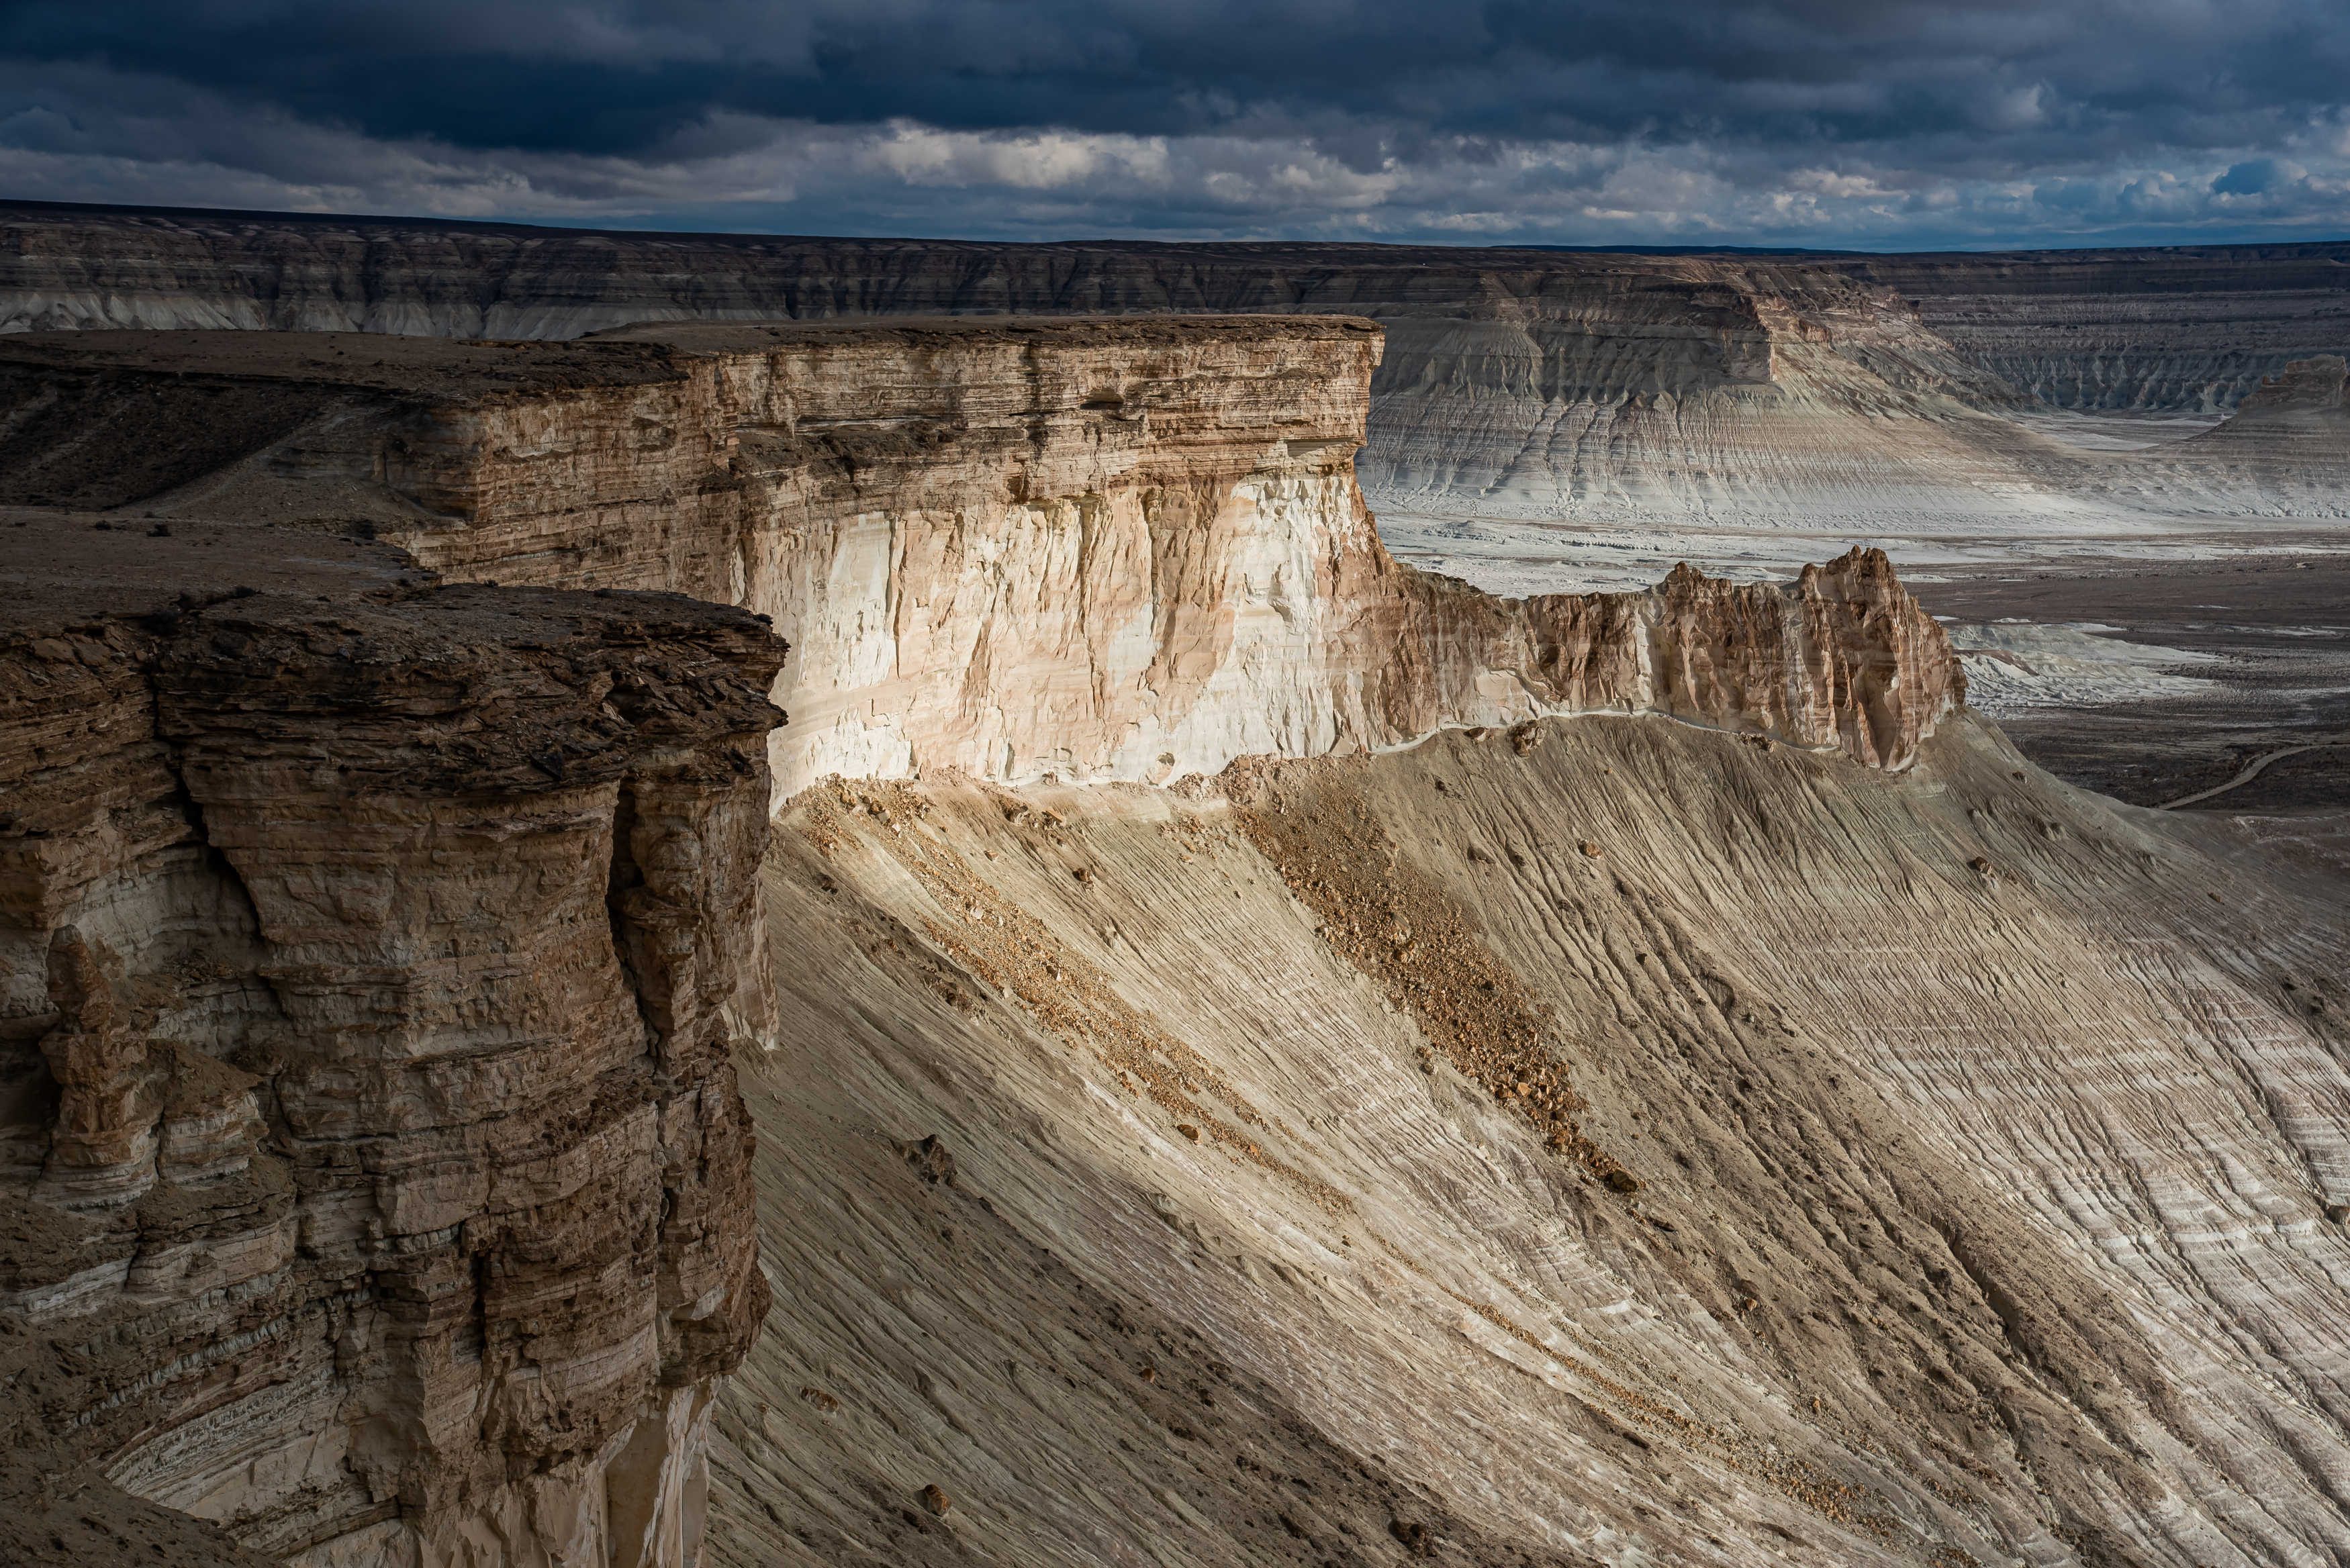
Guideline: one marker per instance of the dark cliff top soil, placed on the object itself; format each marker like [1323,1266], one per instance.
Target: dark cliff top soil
[107,418]
[57,567]
[64,570]
[366,361]
[757,336]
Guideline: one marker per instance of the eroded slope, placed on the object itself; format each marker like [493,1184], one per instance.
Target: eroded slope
[1985,1136]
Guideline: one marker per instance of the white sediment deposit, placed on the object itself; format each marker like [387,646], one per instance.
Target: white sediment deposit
[2012,668]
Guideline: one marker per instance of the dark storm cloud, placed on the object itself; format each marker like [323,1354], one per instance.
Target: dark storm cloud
[1799,121]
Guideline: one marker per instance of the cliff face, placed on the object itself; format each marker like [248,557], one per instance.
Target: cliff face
[373,958]
[1802,391]
[2184,327]
[1516,378]
[1592,1140]
[1101,549]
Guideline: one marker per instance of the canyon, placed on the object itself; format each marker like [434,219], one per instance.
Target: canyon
[1540,419]
[1259,1052]
[2170,328]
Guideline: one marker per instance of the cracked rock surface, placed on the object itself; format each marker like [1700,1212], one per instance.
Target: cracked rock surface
[374,960]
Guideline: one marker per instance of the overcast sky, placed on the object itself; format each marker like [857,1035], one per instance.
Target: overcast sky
[1874,124]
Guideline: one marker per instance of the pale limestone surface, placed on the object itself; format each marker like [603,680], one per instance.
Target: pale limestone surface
[1099,549]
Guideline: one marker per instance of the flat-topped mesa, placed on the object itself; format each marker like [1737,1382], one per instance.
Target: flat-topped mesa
[373,963]
[1520,381]
[1107,548]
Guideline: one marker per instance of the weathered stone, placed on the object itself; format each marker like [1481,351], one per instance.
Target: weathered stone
[1096,548]
[402,1212]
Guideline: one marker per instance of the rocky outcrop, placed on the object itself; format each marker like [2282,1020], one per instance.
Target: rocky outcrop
[1580,1140]
[1096,548]
[374,959]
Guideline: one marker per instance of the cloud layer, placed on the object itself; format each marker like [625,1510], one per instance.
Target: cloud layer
[1868,123]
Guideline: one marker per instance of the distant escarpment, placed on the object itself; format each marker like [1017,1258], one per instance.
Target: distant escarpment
[2169,328]
[1105,548]
[377,1179]
[1514,379]
[1824,391]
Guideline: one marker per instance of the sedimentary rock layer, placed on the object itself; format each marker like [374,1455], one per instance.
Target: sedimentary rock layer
[2179,326]
[1515,376]
[373,958]
[1828,391]
[1571,1141]
[1100,548]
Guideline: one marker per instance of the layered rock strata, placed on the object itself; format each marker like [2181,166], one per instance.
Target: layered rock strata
[1517,377]
[1096,548]
[1606,1140]
[2174,327]
[373,961]
[1794,389]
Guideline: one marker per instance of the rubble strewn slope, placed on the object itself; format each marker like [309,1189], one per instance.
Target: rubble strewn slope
[1618,1143]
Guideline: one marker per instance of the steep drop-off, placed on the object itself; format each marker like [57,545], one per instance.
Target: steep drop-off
[1520,378]
[378,1183]
[1098,548]
[1735,1110]
[1825,392]
[2169,328]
